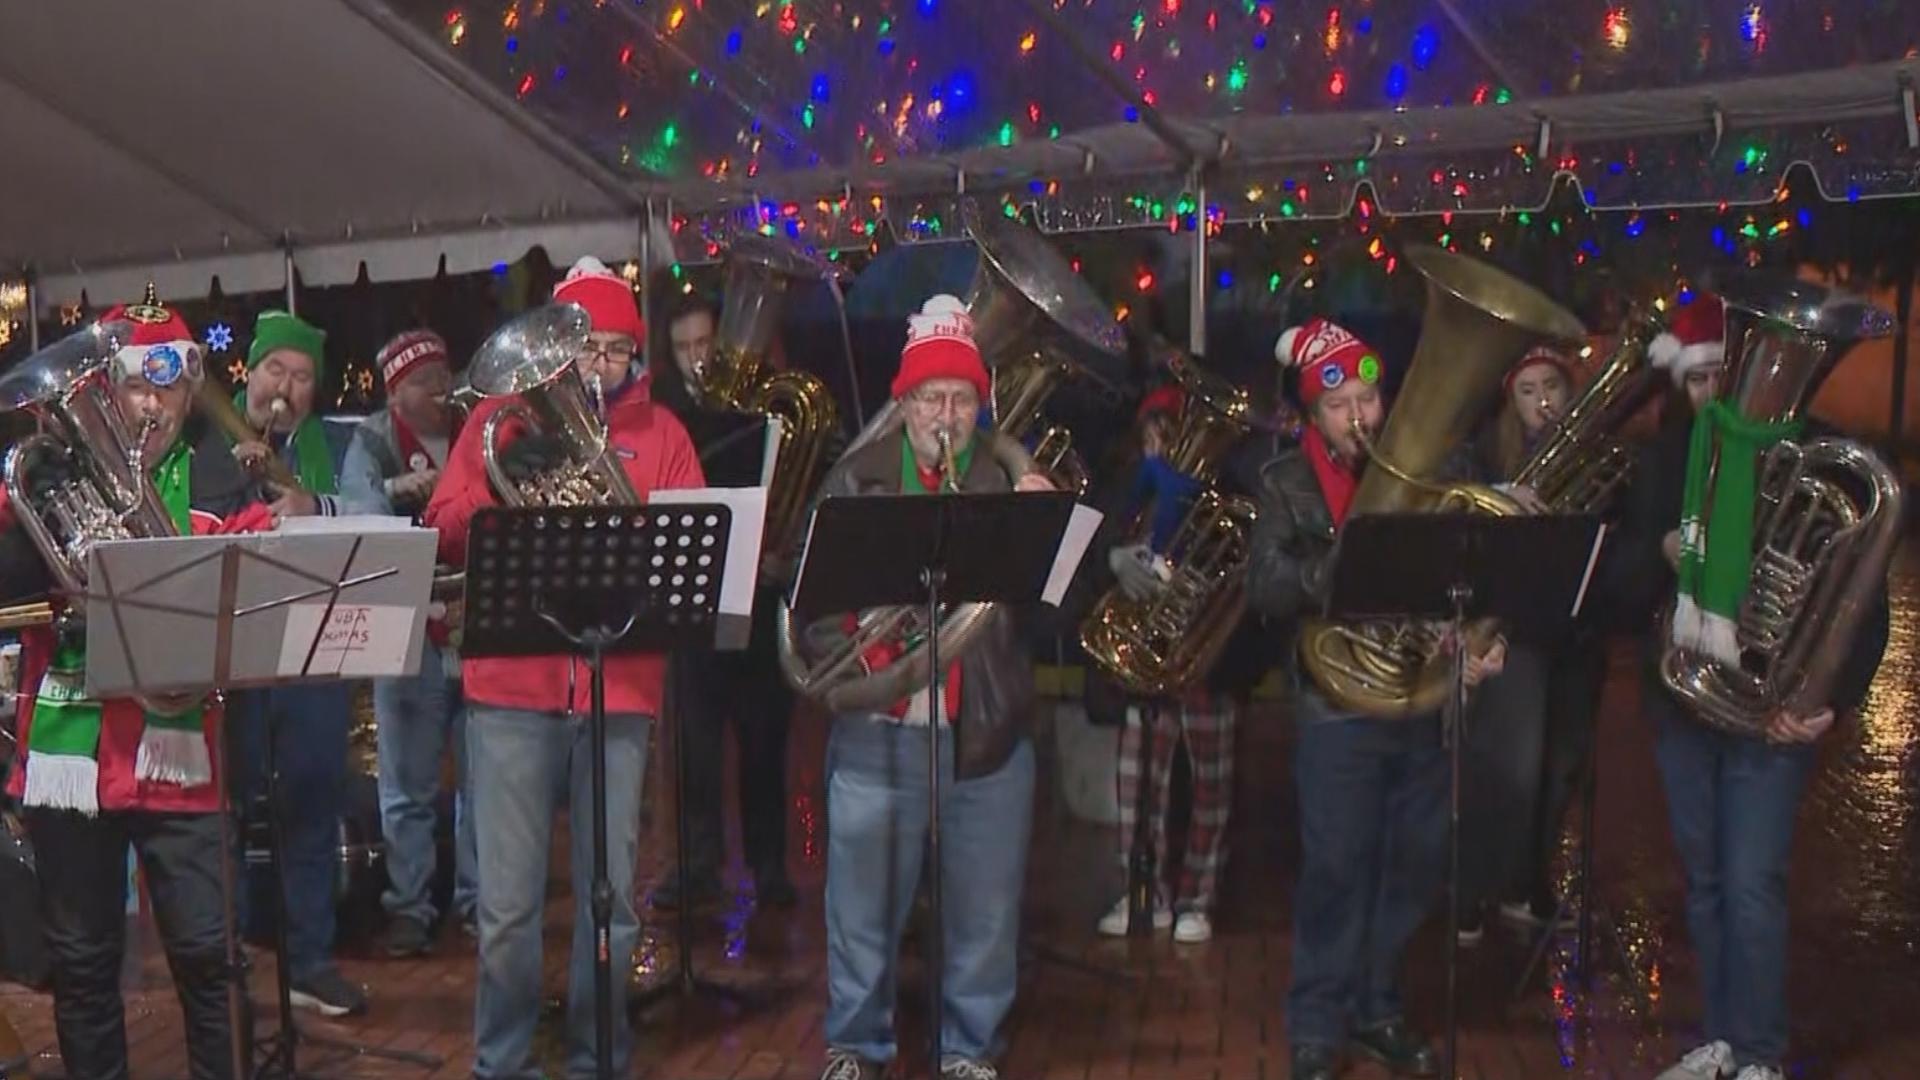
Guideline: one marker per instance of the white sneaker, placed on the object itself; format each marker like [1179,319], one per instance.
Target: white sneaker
[1114,923]
[1759,1072]
[1192,928]
[1709,1062]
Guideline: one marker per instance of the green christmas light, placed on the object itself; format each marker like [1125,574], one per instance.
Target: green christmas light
[1505,95]
[806,117]
[1006,133]
[670,135]
[1237,77]
[1273,283]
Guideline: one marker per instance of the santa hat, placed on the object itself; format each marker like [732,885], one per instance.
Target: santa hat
[160,349]
[940,346]
[1695,338]
[1163,399]
[408,353]
[1540,354]
[1326,355]
[606,296]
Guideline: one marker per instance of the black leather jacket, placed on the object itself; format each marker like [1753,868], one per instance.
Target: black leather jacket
[1287,572]
[996,672]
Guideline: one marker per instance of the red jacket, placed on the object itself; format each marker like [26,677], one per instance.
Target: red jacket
[657,454]
[122,720]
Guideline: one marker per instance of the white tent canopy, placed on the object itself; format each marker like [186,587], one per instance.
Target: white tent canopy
[230,138]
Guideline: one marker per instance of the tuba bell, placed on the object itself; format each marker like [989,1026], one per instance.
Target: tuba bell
[1479,321]
[1023,296]
[532,357]
[734,375]
[95,486]
[1582,463]
[1828,513]
[1169,641]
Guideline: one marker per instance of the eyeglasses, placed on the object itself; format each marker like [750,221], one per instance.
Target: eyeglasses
[933,403]
[619,352]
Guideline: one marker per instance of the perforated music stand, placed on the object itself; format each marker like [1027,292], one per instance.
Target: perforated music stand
[1530,573]
[891,550]
[593,581]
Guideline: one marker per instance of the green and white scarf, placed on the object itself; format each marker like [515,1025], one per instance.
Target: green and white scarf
[1716,537]
[63,747]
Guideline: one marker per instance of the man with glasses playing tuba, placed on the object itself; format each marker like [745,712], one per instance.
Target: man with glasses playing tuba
[527,731]
[876,758]
[1373,791]
[98,776]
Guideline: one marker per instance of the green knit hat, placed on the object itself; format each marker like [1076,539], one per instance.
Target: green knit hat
[283,330]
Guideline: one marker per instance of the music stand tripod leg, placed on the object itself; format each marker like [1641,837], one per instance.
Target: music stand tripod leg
[1454,725]
[934,577]
[602,898]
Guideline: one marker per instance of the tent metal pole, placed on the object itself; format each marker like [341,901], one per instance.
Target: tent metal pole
[646,284]
[286,254]
[1197,280]
[33,314]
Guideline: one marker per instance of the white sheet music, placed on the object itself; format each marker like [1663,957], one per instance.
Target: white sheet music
[349,523]
[1073,547]
[771,455]
[749,506]
[358,640]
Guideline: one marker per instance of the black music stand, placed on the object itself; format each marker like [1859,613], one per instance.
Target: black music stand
[594,580]
[892,550]
[1531,573]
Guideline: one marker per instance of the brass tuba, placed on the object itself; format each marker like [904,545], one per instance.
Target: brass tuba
[1479,322]
[1828,513]
[1582,462]
[97,489]
[1165,643]
[734,376]
[533,357]
[1022,299]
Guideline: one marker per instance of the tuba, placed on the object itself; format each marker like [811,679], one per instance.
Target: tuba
[1828,513]
[1165,643]
[1023,298]
[1479,321]
[1582,463]
[97,488]
[734,375]
[533,357]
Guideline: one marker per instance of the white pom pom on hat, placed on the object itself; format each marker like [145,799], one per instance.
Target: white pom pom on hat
[1283,348]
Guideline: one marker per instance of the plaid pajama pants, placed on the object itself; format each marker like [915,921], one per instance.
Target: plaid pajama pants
[1153,729]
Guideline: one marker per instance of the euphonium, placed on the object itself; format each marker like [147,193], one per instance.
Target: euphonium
[1479,321]
[1582,462]
[533,357]
[735,375]
[1828,513]
[1167,642]
[839,678]
[96,488]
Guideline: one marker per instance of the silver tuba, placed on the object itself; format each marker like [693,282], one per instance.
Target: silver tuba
[1827,516]
[1024,297]
[532,358]
[96,486]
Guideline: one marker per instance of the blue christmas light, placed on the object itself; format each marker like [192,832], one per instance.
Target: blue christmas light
[733,43]
[1426,42]
[513,44]
[960,89]
[820,87]
[929,8]
[1226,279]
[219,337]
[1396,83]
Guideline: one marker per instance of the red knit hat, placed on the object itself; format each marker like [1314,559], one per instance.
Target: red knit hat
[161,348]
[1540,354]
[1696,337]
[606,296]
[940,346]
[1326,355]
[407,353]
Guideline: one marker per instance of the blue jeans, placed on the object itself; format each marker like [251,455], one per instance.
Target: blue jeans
[309,724]
[876,845]
[1373,839]
[418,715]
[1732,803]
[517,759]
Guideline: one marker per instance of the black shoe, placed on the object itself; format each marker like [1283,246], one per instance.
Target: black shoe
[1399,1048]
[1312,1061]
[706,893]
[407,936]
[775,892]
[330,994]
